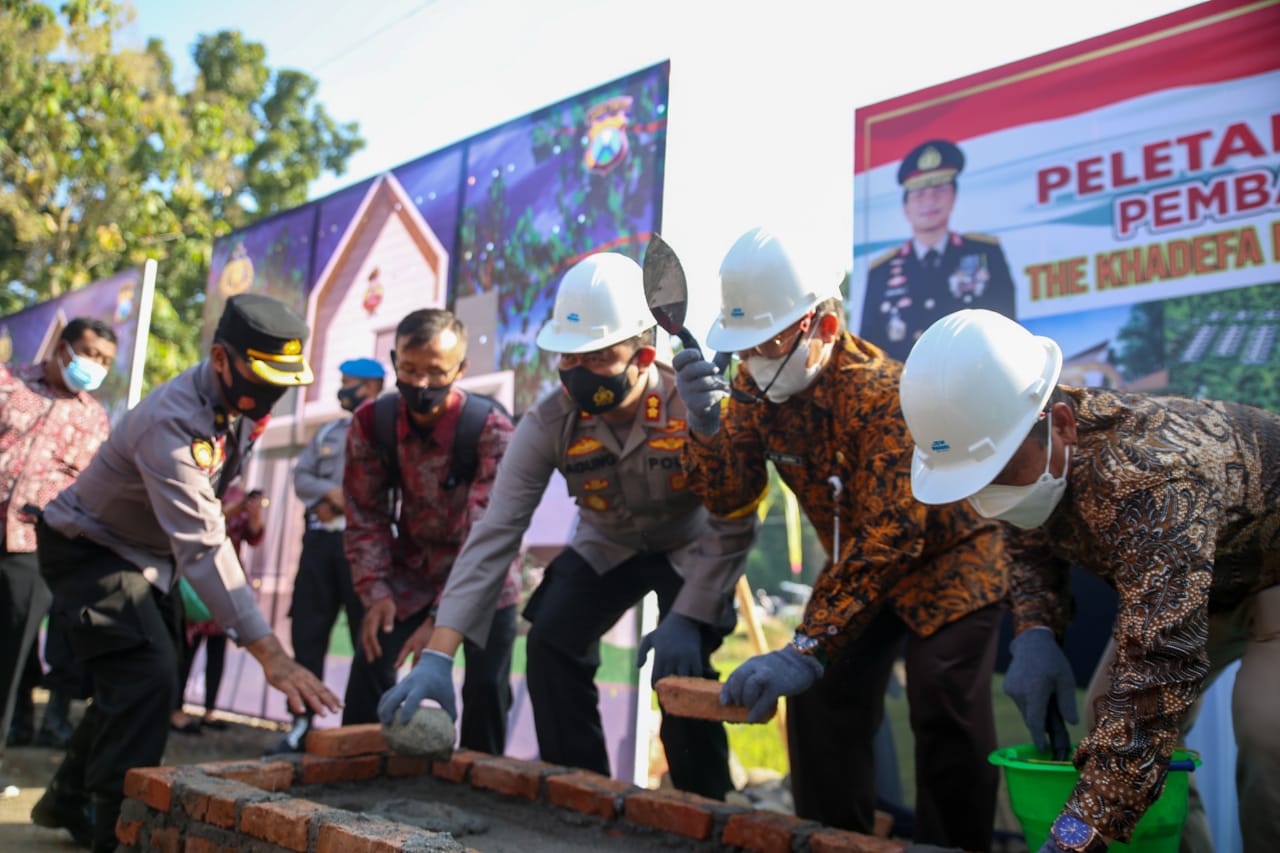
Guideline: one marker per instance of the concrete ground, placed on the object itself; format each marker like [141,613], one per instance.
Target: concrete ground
[31,768]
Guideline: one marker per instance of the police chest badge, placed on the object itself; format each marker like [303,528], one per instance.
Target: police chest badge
[202,453]
[969,281]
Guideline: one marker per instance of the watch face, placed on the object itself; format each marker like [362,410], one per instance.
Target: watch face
[805,643]
[1071,832]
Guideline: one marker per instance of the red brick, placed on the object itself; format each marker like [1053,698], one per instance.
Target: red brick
[336,838]
[682,696]
[152,785]
[672,811]
[406,765]
[376,836]
[764,832]
[282,822]
[457,767]
[165,840]
[127,832]
[346,741]
[839,841]
[315,769]
[213,800]
[196,844]
[587,792]
[266,775]
[511,776]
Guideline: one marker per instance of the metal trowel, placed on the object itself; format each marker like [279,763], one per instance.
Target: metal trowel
[667,292]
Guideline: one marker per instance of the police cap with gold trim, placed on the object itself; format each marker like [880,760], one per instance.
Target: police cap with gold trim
[930,164]
[268,335]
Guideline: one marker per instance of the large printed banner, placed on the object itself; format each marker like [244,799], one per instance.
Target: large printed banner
[485,227]
[123,301]
[1121,195]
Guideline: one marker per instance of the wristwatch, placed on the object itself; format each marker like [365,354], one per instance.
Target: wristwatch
[1071,833]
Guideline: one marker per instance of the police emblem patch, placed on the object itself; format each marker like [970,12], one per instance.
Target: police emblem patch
[202,453]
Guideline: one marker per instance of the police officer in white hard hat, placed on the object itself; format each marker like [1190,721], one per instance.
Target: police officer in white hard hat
[614,430]
[821,405]
[1174,502]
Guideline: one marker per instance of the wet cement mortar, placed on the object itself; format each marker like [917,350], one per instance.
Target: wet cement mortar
[490,822]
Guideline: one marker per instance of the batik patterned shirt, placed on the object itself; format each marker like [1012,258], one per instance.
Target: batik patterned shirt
[412,563]
[930,565]
[47,437]
[1176,504]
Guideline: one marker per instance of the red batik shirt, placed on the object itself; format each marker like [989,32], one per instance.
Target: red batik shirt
[47,437]
[413,564]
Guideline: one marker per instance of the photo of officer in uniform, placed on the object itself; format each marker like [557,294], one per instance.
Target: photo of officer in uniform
[936,271]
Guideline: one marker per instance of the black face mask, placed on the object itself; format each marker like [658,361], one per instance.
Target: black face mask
[263,396]
[596,394]
[350,398]
[423,400]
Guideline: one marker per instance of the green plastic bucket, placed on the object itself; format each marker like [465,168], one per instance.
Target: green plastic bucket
[1039,787]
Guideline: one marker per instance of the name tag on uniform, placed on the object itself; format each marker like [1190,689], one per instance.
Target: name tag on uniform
[783,458]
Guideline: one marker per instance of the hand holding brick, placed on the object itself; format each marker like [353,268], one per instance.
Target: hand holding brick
[699,698]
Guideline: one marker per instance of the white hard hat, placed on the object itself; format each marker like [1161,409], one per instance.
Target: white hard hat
[971,389]
[763,289]
[600,302]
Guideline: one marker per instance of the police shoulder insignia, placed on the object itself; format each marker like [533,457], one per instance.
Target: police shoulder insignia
[892,253]
[982,238]
[202,453]
[652,407]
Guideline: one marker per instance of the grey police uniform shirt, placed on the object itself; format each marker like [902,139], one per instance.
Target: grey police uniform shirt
[631,498]
[319,469]
[149,496]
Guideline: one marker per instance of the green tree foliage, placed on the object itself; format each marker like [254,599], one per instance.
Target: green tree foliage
[105,162]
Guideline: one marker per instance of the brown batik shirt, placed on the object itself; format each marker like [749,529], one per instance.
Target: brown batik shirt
[1176,504]
[930,564]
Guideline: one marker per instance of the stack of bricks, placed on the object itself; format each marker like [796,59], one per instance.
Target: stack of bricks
[245,805]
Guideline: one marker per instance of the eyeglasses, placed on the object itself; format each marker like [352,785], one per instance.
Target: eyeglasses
[782,344]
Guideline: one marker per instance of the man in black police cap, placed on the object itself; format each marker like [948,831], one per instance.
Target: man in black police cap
[146,511]
[937,271]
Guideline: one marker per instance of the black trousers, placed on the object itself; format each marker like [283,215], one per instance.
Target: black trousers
[486,686]
[126,633]
[571,610]
[215,660]
[321,589]
[24,598]
[831,730]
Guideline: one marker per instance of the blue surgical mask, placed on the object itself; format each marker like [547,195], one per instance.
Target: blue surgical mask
[81,373]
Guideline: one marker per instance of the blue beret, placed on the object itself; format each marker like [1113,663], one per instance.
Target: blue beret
[362,368]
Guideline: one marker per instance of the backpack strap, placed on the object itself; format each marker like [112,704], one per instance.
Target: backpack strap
[385,409]
[466,438]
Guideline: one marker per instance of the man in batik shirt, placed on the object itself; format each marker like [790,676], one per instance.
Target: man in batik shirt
[1174,502]
[50,427]
[399,564]
[822,406]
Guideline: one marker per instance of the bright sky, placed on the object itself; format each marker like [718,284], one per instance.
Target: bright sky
[762,93]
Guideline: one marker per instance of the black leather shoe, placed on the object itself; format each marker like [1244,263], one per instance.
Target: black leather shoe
[73,814]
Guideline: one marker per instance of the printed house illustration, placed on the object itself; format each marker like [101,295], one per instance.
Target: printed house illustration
[388,263]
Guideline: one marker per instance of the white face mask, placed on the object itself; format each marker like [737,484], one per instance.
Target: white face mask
[789,375]
[1025,506]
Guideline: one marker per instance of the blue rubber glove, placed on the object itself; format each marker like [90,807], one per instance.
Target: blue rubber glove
[760,681]
[677,648]
[701,388]
[430,678]
[1039,673]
